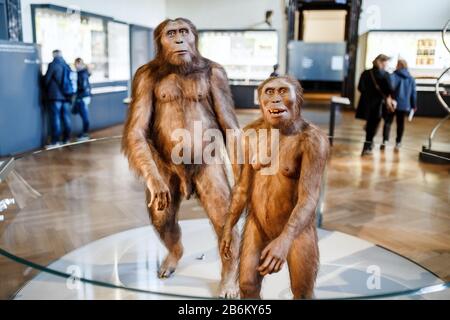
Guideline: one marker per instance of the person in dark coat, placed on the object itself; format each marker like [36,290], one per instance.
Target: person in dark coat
[275,72]
[375,86]
[405,94]
[83,97]
[58,103]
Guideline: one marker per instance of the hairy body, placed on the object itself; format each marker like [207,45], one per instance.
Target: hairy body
[280,225]
[173,91]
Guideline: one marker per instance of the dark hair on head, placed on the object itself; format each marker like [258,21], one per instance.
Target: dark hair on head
[380,58]
[79,60]
[56,51]
[157,34]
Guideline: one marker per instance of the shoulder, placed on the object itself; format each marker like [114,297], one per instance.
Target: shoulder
[315,140]
[144,72]
[256,124]
[217,71]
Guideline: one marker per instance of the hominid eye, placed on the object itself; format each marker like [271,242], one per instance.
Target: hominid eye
[184,31]
[269,91]
[171,33]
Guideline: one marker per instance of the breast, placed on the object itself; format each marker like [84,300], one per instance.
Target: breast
[168,89]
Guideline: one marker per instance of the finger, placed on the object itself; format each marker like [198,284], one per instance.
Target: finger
[264,253]
[163,201]
[152,199]
[222,246]
[278,266]
[169,198]
[266,263]
[227,254]
[269,269]
[160,202]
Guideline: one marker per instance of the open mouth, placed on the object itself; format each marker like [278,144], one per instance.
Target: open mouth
[276,111]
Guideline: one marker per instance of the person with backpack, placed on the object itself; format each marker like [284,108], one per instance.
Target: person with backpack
[59,89]
[405,94]
[83,97]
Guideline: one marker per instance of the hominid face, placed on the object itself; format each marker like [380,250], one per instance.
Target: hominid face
[178,42]
[279,102]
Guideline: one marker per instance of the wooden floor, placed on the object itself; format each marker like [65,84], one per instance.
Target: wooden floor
[87,192]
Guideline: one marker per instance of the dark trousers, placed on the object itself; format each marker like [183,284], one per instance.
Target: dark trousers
[60,111]
[83,109]
[388,119]
[373,121]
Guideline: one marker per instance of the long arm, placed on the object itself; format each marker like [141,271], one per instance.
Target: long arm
[313,164]
[134,141]
[224,109]
[238,203]
[239,197]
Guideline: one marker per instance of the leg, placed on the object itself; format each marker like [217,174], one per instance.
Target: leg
[303,262]
[55,110]
[84,113]
[371,130]
[400,118]
[388,119]
[65,114]
[165,221]
[252,245]
[215,195]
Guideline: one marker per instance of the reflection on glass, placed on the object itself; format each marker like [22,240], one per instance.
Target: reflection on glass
[103,45]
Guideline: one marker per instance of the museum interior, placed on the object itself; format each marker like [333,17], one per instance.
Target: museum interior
[74,215]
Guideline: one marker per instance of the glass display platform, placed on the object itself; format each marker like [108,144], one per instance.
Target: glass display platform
[74,226]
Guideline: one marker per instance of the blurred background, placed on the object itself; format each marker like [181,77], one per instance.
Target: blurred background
[325,44]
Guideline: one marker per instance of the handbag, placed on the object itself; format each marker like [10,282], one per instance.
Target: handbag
[390,103]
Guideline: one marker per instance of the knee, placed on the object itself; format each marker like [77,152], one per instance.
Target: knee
[249,288]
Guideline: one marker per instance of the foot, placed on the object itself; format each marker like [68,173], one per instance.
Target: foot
[229,290]
[398,145]
[52,145]
[383,145]
[168,266]
[366,152]
[83,138]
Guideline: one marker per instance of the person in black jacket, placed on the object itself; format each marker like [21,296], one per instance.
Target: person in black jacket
[59,104]
[83,97]
[375,86]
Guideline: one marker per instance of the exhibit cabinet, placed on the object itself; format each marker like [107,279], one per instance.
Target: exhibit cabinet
[248,57]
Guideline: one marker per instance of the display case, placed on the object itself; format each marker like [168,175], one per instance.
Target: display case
[103,43]
[248,57]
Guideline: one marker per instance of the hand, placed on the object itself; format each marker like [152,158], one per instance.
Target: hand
[274,256]
[159,192]
[225,244]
